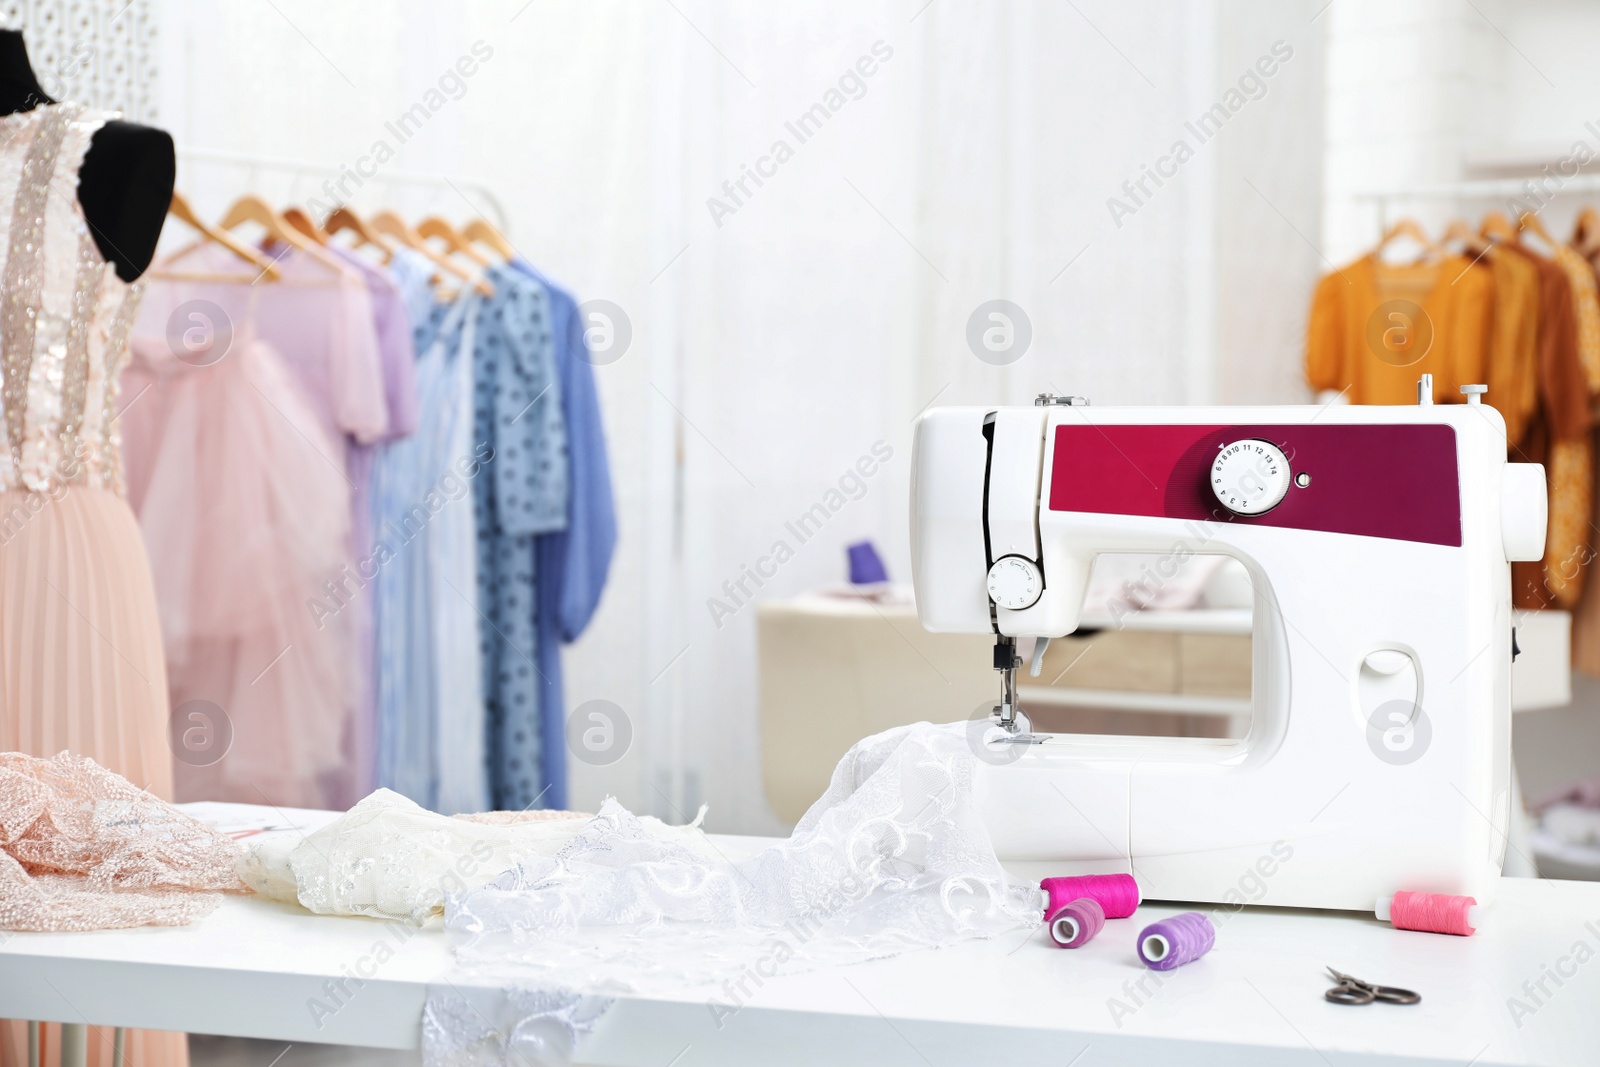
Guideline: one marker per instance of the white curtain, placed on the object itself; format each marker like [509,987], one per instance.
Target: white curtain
[780,338]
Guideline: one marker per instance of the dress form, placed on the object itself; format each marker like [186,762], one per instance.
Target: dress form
[126,181]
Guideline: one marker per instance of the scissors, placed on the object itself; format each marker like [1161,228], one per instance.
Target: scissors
[1355,991]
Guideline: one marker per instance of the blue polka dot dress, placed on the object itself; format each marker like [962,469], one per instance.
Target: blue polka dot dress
[523,493]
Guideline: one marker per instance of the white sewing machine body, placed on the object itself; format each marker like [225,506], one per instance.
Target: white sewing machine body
[1382,584]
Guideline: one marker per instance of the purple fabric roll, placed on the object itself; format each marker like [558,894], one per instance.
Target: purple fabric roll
[1176,941]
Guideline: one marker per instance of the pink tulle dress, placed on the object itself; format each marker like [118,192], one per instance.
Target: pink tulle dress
[242,497]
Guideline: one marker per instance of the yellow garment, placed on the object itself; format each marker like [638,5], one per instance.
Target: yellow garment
[1586,306]
[1567,542]
[1376,328]
[1513,368]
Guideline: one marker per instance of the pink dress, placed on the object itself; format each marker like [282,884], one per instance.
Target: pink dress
[239,483]
[81,666]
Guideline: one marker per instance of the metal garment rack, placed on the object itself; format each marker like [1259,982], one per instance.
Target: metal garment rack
[1480,189]
[383,178]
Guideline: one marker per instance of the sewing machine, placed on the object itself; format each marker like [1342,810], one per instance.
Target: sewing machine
[1377,540]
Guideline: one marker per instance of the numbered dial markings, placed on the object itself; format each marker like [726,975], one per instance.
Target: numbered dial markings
[1015,582]
[1250,477]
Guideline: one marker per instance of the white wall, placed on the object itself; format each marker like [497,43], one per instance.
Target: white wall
[772,351]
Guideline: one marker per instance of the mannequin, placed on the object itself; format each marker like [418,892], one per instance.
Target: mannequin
[126,181]
[84,670]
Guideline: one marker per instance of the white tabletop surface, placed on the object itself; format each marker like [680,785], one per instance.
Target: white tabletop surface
[1524,990]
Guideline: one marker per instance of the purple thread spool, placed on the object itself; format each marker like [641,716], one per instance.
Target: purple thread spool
[1075,923]
[866,567]
[1173,942]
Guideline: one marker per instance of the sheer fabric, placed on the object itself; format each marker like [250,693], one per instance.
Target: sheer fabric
[84,849]
[893,857]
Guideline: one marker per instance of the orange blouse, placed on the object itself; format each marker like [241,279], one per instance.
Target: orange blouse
[1376,328]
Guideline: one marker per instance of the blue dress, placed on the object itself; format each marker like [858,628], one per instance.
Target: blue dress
[524,493]
[572,564]
[430,703]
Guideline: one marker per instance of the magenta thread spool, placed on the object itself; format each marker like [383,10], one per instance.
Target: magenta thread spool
[1117,894]
[1173,942]
[1076,922]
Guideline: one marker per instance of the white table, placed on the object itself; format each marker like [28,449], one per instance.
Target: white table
[254,968]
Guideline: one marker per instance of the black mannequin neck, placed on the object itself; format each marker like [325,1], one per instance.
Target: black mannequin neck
[125,183]
[19,85]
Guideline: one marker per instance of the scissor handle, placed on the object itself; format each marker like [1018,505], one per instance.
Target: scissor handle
[1391,995]
[1345,993]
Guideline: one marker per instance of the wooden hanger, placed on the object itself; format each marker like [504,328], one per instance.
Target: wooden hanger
[305,224]
[342,219]
[480,231]
[392,225]
[435,227]
[1458,230]
[179,209]
[1412,229]
[251,208]
[1496,227]
[1528,220]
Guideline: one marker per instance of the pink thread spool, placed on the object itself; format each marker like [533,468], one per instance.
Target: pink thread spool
[1076,922]
[1434,913]
[1117,894]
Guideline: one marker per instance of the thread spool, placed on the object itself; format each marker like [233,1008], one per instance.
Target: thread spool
[1117,894]
[1434,913]
[1174,942]
[1076,922]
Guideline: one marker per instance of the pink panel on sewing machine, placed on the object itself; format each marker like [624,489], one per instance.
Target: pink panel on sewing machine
[1388,480]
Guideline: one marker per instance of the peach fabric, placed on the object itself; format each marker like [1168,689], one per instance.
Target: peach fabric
[81,669]
[144,1048]
[81,664]
[82,848]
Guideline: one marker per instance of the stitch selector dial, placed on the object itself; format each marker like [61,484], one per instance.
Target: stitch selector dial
[1250,477]
[1015,582]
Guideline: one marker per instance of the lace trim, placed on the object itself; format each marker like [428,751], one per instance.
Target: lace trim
[24,280]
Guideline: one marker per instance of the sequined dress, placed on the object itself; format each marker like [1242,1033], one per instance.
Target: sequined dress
[81,665]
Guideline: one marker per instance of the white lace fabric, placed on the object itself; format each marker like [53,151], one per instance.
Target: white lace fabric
[894,857]
[82,848]
[390,858]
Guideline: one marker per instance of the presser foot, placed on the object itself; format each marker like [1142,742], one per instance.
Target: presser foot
[1018,730]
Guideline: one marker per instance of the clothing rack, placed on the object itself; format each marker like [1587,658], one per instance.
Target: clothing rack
[1477,189]
[387,177]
